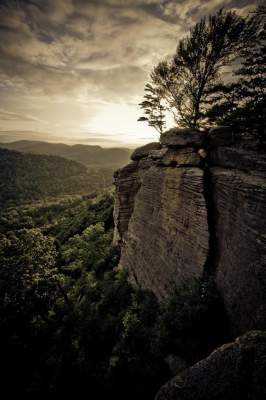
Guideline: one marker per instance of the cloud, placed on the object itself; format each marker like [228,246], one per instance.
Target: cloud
[81,52]
[49,47]
[12,136]
[12,116]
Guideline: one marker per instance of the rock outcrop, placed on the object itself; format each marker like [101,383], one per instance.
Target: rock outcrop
[182,137]
[144,151]
[194,205]
[233,371]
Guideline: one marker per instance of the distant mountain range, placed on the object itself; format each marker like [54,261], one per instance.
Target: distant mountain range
[95,156]
[29,177]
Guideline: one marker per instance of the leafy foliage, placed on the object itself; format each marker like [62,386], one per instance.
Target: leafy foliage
[70,321]
[241,103]
[184,82]
[217,76]
[153,108]
[27,177]
[192,321]
[28,273]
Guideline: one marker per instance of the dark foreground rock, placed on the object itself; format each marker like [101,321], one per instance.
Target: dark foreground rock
[235,371]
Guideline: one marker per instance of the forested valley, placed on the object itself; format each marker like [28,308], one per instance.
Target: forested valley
[31,177]
[70,321]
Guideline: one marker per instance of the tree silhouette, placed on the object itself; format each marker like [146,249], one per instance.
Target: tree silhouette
[153,108]
[241,103]
[185,81]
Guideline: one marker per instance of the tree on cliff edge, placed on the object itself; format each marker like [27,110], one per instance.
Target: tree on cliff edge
[153,108]
[242,103]
[184,82]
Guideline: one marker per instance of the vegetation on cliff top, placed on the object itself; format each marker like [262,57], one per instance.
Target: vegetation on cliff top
[217,76]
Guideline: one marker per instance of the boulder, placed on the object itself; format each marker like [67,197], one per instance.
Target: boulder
[235,371]
[186,137]
[144,151]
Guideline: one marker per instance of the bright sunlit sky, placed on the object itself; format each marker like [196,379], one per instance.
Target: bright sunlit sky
[74,70]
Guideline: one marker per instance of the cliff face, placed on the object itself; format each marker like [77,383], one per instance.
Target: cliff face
[193,205]
[165,242]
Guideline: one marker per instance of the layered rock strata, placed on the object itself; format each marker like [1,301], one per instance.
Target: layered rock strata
[195,204]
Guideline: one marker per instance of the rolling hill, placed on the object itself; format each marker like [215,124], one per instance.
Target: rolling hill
[29,177]
[95,156]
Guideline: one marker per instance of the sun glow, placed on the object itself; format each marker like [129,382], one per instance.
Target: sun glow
[120,120]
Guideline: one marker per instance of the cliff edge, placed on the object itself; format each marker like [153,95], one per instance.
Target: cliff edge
[191,205]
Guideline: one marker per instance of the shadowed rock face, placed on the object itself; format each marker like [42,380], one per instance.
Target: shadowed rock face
[129,183]
[233,371]
[240,205]
[235,158]
[184,209]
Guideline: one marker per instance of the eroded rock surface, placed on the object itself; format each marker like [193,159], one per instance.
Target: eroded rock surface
[128,181]
[180,157]
[167,238]
[233,371]
[234,158]
[127,184]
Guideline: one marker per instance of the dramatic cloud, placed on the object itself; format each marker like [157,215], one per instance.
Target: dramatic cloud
[72,67]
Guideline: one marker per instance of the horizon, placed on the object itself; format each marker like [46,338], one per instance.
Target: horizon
[62,142]
[74,72]
[9,137]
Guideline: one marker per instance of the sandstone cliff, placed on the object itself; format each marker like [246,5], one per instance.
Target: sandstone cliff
[194,204]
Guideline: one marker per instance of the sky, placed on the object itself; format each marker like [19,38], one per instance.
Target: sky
[74,71]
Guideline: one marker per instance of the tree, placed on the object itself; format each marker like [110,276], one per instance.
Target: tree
[185,81]
[88,251]
[241,103]
[153,108]
[28,275]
